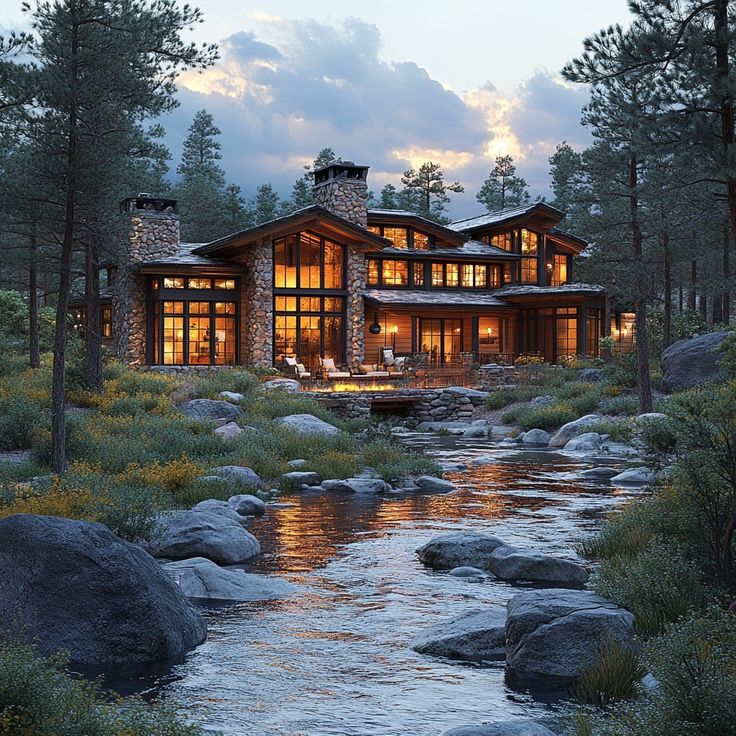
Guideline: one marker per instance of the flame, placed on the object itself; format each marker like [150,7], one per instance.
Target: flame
[339,386]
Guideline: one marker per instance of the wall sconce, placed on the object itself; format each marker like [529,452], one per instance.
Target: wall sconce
[394,331]
[375,328]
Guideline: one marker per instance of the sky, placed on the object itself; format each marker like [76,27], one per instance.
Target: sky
[389,84]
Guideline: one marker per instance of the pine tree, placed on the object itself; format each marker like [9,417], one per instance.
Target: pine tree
[502,188]
[389,199]
[301,192]
[425,191]
[266,204]
[565,171]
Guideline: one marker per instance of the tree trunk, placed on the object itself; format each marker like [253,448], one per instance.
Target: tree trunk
[606,325]
[93,331]
[667,268]
[58,394]
[704,304]
[726,270]
[640,305]
[34,349]
[692,293]
[722,89]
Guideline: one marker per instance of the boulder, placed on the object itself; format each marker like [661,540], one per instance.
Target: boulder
[356,485]
[208,410]
[511,564]
[246,505]
[220,508]
[502,728]
[238,475]
[545,400]
[434,485]
[453,467]
[634,476]
[297,464]
[482,461]
[297,478]
[602,473]
[690,363]
[453,426]
[649,416]
[470,393]
[467,572]
[586,442]
[536,437]
[477,429]
[228,432]
[202,534]
[232,396]
[290,385]
[502,431]
[459,549]
[590,375]
[475,635]
[74,585]
[306,424]
[572,429]
[199,577]
[557,633]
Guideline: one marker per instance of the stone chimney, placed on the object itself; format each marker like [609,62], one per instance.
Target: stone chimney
[342,189]
[152,233]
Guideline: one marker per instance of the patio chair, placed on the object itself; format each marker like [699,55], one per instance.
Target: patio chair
[370,371]
[297,368]
[330,370]
[391,363]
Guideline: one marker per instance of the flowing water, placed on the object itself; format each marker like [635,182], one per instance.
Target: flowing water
[336,659]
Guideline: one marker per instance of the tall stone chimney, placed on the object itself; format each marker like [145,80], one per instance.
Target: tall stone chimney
[342,189]
[153,233]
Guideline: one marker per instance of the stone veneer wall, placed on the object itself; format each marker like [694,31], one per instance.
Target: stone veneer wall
[152,235]
[256,326]
[347,198]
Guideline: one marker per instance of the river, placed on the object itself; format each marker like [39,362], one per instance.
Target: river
[336,660]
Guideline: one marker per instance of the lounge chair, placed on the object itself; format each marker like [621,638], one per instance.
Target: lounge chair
[368,371]
[330,370]
[297,368]
[391,363]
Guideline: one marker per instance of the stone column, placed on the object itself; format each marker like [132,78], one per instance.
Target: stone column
[355,312]
[259,304]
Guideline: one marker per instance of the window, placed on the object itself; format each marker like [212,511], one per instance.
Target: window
[495,280]
[397,235]
[559,270]
[466,279]
[417,270]
[395,273]
[106,321]
[309,327]
[421,241]
[491,336]
[529,270]
[566,331]
[592,331]
[374,229]
[473,275]
[529,242]
[464,275]
[440,339]
[530,257]
[197,331]
[372,272]
[438,274]
[452,271]
[503,241]
[307,261]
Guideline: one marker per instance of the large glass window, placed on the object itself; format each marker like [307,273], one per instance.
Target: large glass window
[417,270]
[395,273]
[397,235]
[530,257]
[559,270]
[403,237]
[502,240]
[307,261]
[309,327]
[199,331]
[466,275]
[566,332]
[372,278]
[440,339]
[392,272]
[492,339]
[592,331]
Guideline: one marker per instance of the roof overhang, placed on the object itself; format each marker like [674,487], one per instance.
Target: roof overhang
[402,219]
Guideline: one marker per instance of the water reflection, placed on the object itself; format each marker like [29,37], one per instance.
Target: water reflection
[336,659]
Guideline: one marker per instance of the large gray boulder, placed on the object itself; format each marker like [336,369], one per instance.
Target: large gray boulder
[74,585]
[600,473]
[690,363]
[207,410]
[288,385]
[586,442]
[536,437]
[356,485]
[475,635]
[199,577]
[459,549]
[232,396]
[228,432]
[503,728]
[246,505]
[238,475]
[201,534]
[634,476]
[306,424]
[219,508]
[572,429]
[296,478]
[431,484]
[558,633]
[511,564]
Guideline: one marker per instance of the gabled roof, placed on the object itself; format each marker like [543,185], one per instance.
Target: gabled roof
[556,232]
[185,258]
[469,249]
[424,223]
[313,210]
[500,217]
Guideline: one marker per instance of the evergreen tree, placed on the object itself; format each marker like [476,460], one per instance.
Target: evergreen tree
[267,205]
[503,188]
[389,198]
[565,171]
[426,192]
[301,193]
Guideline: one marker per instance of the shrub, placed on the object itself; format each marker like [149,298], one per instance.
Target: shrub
[392,461]
[238,381]
[542,417]
[624,404]
[612,677]
[503,396]
[334,464]
[38,697]
[198,490]
[658,585]
[618,431]
[20,420]
[131,512]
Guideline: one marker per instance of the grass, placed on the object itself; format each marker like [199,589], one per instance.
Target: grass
[612,677]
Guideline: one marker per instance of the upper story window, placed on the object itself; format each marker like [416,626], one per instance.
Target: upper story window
[196,283]
[388,272]
[505,241]
[467,275]
[530,256]
[403,237]
[307,261]
[529,242]
[559,270]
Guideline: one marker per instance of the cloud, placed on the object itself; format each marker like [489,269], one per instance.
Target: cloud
[296,86]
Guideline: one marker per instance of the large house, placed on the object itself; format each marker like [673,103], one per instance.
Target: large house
[339,280]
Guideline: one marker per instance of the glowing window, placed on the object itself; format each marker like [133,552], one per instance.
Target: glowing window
[395,273]
[199,284]
[173,282]
[421,241]
[397,235]
[224,283]
[372,272]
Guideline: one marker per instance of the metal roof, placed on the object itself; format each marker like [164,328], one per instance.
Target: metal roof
[469,249]
[500,216]
[565,289]
[405,297]
[186,257]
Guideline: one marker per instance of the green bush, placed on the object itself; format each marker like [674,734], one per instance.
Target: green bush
[612,677]
[20,420]
[502,396]
[237,381]
[131,512]
[392,461]
[192,493]
[39,698]
[658,585]
[546,416]
[618,431]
